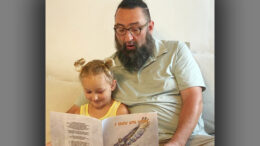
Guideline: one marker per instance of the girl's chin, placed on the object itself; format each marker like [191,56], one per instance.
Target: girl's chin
[98,105]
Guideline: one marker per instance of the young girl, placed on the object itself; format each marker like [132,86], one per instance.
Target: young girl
[98,83]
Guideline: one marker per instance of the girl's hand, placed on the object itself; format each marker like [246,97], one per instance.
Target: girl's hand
[48,144]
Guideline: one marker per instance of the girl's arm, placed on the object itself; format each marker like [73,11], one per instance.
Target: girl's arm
[122,109]
[48,143]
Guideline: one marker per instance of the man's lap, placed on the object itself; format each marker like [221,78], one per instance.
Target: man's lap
[199,140]
[202,140]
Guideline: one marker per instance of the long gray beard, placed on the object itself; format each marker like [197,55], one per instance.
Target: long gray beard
[133,60]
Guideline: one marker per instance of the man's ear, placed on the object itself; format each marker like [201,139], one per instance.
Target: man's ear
[151,26]
[113,85]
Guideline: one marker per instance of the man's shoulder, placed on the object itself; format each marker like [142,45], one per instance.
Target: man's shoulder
[170,44]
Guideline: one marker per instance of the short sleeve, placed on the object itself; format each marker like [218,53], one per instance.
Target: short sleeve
[186,69]
[81,100]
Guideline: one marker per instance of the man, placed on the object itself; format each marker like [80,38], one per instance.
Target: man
[157,76]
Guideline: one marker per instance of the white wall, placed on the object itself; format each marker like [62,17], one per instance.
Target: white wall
[84,28]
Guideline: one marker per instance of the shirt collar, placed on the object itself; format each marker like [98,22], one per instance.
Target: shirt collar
[159,48]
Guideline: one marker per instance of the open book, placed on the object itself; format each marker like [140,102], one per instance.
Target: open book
[125,130]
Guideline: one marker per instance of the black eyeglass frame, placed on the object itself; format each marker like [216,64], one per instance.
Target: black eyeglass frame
[129,29]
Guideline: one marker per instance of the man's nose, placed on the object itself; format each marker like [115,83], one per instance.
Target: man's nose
[128,36]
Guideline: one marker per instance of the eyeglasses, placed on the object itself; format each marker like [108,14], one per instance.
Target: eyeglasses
[134,30]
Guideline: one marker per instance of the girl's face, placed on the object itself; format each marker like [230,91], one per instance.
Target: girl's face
[98,90]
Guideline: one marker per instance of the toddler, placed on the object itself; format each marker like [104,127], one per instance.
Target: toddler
[98,83]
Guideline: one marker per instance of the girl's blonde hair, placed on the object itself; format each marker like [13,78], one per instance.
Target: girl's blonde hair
[94,67]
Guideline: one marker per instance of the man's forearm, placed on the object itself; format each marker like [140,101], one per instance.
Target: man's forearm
[187,122]
[190,113]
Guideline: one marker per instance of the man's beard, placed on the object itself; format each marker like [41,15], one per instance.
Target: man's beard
[133,60]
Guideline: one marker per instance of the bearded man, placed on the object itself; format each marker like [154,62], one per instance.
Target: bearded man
[157,76]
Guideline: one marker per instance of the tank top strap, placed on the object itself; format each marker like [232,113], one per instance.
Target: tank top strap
[84,110]
[112,110]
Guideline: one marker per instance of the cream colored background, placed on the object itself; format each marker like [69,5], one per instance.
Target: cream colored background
[84,28]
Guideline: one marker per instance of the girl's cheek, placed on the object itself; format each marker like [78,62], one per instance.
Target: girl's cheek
[88,97]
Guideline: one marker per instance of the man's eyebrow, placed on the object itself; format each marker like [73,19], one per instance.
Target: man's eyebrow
[119,25]
[135,23]
[131,24]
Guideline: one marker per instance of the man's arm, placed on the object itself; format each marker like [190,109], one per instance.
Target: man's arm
[190,113]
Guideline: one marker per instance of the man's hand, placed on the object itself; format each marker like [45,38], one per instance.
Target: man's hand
[173,143]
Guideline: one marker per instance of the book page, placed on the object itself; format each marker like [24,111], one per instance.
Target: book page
[75,130]
[132,129]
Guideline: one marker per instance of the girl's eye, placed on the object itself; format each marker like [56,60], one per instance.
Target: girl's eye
[100,92]
[88,92]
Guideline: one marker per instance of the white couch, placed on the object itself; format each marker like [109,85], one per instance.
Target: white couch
[61,93]
[206,63]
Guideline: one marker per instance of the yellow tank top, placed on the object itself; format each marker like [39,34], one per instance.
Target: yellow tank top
[111,112]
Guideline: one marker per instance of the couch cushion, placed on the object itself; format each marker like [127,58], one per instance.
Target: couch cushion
[60,95]
[206,63]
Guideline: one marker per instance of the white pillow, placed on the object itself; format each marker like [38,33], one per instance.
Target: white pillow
[206,63]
